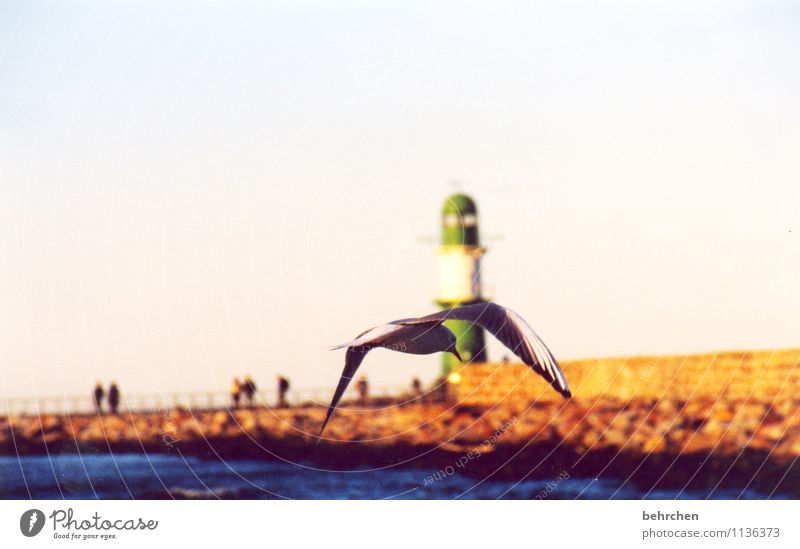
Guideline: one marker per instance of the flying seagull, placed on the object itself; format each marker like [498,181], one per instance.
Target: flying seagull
[428,334]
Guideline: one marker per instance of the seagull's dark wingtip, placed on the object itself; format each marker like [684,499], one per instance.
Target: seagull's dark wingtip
[319,436]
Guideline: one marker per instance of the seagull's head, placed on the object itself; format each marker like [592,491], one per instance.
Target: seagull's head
[444,341]
[451,347]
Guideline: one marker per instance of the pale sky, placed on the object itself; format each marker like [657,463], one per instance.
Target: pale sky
[194,190]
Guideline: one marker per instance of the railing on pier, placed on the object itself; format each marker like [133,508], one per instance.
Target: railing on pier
[84,404]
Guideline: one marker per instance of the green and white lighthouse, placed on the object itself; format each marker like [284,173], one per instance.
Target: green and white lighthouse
[459,258]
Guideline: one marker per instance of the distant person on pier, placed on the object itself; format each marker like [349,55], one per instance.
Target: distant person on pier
[283,388]
[363,390]
[441,389]
[113,397]
[236,392]
[249,389]
[99,393]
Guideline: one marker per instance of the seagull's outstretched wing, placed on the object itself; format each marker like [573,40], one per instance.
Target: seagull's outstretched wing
[353,359]
[513,332]
[371,337]
[357,350]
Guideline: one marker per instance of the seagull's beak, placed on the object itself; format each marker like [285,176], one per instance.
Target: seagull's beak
[455,352]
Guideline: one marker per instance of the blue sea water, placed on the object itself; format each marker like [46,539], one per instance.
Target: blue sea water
[159,476]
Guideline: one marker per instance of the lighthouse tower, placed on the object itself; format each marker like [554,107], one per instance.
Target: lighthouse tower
[459,258]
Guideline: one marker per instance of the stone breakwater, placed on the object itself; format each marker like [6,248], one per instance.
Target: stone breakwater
[693,438]
[654,443]
[730,376]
